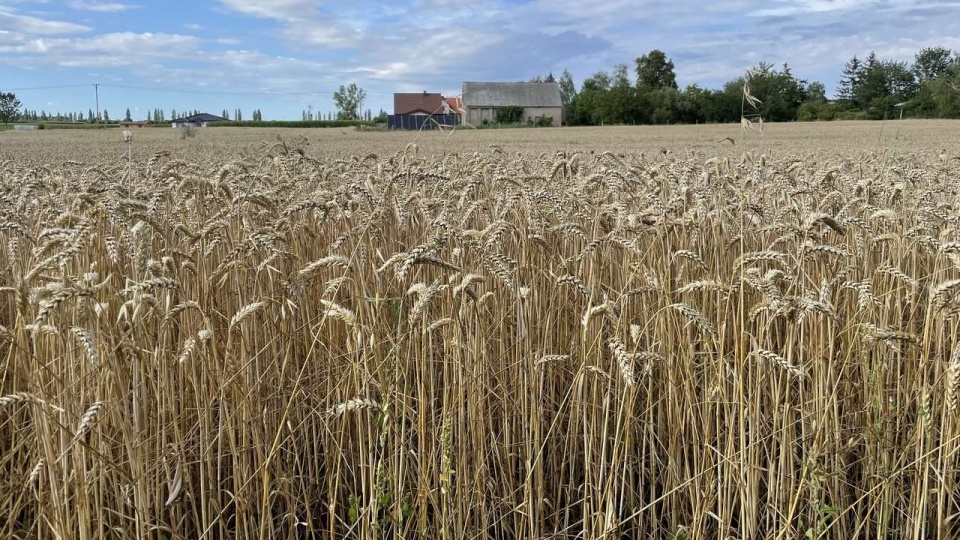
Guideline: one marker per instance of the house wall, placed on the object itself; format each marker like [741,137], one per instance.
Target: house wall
[552,112]
[477,115]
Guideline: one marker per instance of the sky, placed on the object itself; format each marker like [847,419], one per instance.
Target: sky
[283,56]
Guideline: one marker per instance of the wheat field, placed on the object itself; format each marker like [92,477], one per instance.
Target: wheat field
[543,334]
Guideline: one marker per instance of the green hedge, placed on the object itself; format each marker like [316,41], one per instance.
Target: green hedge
[59,125]
[293,124]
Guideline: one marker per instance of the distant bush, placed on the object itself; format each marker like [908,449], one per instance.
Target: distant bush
[512,114]
[541,121]
[851,115]
[293,123]
[811,111]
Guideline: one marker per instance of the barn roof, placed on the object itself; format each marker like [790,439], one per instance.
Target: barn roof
[524,94]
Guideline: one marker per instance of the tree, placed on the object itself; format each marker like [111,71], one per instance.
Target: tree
[90,116]
[539,79]
[883,86]
[694,105]
[931,62]
[901,81]
[850,81]
[779,92]
[815,106]
[589,103]
[149,116]
[9,107]
[621,75]
[940,97]
[873,83]
[348,100]
[128,118]
[662,105]
[815,92]
[567,92]
[106,116]
[655,70]
[619,104]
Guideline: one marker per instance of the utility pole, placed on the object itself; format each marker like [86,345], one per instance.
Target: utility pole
[96,88]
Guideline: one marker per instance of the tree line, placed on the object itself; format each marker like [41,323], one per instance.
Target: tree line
[871,88]
[309,115]
[348,100]
[157,115]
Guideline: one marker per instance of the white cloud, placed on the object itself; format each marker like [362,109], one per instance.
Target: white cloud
[103,7]
[106,50]
[793,7]
[303,25]
[255,72]
[9,20]
[272,9]
[306,34]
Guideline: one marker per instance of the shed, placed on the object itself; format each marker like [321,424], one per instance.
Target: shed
[134,124]
[197,120]
[483,100]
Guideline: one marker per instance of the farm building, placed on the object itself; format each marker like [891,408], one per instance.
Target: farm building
[418,103]
[424,110]
[134,124]
[197,120]
[453,105]
[483,100]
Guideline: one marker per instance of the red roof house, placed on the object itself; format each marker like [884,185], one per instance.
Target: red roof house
[453,105]
[422,103]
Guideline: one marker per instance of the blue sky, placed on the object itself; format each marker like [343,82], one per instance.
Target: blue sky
[284,55]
